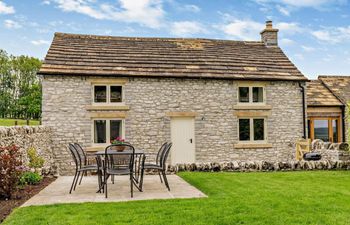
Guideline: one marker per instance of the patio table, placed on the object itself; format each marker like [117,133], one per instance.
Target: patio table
[137,169]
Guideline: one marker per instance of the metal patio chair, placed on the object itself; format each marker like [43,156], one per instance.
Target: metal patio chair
[110,168]
[84,157]
[80,167]
[160,164]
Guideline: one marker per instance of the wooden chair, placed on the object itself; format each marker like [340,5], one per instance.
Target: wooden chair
[302,147]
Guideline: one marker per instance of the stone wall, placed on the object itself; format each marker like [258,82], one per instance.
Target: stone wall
[147,126]
[25,137]
[261,166]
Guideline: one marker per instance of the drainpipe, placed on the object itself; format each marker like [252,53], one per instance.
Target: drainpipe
[343,122]
[304,112]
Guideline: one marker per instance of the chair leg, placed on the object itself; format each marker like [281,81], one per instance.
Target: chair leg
[105,186]
[165,180]
[131,186]
[112,179]
[71,188]
[141,179]
[76,181]
[161,181]
[81,178]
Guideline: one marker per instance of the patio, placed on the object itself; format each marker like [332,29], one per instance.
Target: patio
[58,191]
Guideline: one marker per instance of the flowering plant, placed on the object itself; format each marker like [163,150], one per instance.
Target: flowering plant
[118,140]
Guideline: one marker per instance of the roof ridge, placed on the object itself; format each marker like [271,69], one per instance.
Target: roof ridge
[329,89]
[333,76]
[107,37]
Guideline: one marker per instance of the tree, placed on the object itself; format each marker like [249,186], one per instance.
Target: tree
[20,87]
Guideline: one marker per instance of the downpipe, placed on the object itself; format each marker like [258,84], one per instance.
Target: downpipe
[304,111]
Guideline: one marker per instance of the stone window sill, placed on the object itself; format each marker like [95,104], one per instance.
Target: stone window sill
[107,108]
[252,107]
[252,145]
[95,148]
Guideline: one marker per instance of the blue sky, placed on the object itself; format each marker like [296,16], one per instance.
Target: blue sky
[315,34]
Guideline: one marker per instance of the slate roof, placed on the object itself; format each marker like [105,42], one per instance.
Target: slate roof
[73,54]
[319,95]
[339,85]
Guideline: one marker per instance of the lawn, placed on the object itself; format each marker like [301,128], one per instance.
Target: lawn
[316,197]
[11,122]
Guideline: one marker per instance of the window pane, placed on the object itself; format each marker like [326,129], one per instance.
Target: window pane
[321,129]
[116,93]
[335,130]
[100,131]
[115,129]
[244,129]
[259,131]
[258,94]
[100,94]
[243,94]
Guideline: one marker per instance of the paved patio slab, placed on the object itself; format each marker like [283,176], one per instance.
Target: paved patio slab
[58,191]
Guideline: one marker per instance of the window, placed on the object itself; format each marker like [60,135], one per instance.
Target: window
[325,128]
[105,130]
[252,129]
[108,94]
[321,129]
[251,94]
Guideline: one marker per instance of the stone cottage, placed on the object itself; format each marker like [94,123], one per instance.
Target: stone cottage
[216,100]
[327,108]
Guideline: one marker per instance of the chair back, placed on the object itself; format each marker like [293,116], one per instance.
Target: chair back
[81,152]
[122,159]
[75,155]
[161,152]
[165,155]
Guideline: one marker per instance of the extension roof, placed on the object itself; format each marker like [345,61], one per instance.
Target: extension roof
[319,95]
[339,85]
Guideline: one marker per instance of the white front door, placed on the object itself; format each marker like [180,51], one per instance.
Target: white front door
[182,137]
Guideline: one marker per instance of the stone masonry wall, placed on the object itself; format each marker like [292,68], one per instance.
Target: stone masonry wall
[147,126]
[26,137]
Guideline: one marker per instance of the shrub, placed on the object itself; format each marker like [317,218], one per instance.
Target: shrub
[30,178]
[10,170]
[35,161]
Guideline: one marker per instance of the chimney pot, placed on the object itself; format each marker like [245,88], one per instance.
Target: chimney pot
[269,35]
[269,24]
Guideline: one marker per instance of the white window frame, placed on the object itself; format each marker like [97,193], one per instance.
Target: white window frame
[251,130]
[108,135]
[251,94]
[108,102]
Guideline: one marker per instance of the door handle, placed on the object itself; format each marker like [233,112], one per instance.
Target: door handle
[191,140]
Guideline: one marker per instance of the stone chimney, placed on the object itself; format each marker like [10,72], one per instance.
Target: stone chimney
[269,35]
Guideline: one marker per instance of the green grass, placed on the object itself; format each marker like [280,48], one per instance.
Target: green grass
[317,197]
[11,122]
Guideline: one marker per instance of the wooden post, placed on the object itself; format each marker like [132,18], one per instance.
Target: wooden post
[27,122]
[16,122]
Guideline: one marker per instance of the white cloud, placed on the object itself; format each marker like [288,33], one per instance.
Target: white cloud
[289,28]
[10,24]
[332,35]
[40,42]
[145,12]
[5,9]
[303,3]
[283,10]
[299,56]
[187,28]
[192,8]
[308,48]
[242,29]
[46,2]
[287,42]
